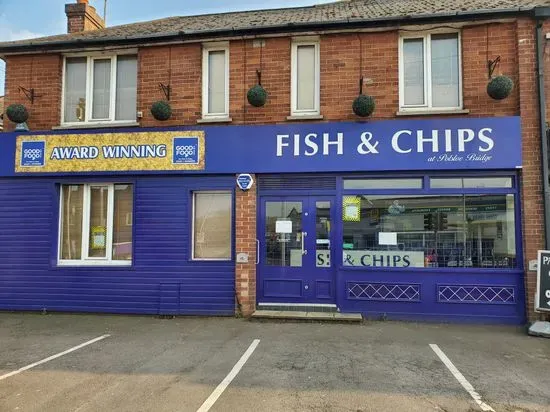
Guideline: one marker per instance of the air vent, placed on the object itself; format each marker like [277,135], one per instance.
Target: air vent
[297,182]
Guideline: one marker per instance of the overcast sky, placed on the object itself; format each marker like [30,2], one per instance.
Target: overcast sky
[22,19]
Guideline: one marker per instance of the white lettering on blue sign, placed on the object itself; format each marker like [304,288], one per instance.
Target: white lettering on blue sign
[109,152]
[447,145]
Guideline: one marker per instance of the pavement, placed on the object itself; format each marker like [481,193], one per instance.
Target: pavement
[63,362]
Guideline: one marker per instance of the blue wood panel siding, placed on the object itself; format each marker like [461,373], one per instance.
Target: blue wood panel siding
[162,280]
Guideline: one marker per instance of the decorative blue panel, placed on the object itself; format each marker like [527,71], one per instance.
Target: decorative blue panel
[495,294]
[392,292]
[163,279]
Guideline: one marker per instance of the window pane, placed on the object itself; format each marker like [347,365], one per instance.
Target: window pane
[102,89]
[323,226]
[445,70]
[122,222]
[477,183]
[283,233]
[446,183]
[491,236]
[216,82]
[71,221]
[305,81]
[75,89]
[470,182]
[403,231]
[212,226]
[126,88]
[383,184]
[98,221]
[413,66]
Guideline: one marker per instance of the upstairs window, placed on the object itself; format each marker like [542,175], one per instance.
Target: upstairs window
[430,72]
[215,81]
[100,89]
[305,88]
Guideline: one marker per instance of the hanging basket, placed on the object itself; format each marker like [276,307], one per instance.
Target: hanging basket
[363,105]
[17,113]
[161,110]
[257,96]
[500,87]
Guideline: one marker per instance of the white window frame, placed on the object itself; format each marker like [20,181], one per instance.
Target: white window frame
[88,120]
[294,77]
[193,200]
[206,49]
[85,259]
[427,106]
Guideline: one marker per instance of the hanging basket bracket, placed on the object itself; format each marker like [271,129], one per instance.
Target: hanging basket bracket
[166,89]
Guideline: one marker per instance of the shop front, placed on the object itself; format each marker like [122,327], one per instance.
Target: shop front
[414,219]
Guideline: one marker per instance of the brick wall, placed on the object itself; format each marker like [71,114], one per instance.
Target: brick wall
[344,57]
[245,239]
[43,73]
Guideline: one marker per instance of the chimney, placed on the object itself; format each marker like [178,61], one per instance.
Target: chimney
[82,17]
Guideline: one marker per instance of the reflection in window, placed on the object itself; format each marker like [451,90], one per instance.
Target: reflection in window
[212,225]
[429,231]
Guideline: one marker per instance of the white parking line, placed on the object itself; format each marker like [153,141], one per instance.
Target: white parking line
[208,403]
[460,378]
[57,355]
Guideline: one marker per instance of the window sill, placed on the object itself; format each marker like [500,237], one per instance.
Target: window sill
[93,263]
[305,117]
[430,112]
[95,125]
[215,120]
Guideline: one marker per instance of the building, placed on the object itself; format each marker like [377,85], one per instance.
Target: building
[431,208]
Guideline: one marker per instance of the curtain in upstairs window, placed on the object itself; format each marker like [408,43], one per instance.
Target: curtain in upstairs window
[75,89]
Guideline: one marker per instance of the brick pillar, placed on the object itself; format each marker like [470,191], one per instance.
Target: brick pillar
[532,191]
[245,242]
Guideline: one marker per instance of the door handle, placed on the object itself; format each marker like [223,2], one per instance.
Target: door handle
[304,251]
[257,251]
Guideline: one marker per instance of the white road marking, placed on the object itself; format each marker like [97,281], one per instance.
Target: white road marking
[205,407]
[57,355]
[460,378]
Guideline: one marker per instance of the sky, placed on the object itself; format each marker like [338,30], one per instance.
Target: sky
[47,17]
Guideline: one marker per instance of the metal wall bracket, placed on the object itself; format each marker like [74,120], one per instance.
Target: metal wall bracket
[29,94]
[166,89]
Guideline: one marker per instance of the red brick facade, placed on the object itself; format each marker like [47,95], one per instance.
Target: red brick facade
[344,57]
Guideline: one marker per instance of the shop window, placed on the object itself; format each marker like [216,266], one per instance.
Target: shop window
[94,224]
[212,225]
[100,89]
[215,79]
[471,182]
[429,231]
[415,183]
[430,72]
[305,84]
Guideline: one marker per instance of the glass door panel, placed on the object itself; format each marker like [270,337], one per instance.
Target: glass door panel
[322,234]
[284,237]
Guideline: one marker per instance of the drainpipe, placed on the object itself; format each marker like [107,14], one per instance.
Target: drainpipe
[541,14]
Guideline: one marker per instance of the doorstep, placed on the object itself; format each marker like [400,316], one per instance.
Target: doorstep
[317,316]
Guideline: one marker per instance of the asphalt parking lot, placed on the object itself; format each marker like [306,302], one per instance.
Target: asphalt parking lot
[123,363]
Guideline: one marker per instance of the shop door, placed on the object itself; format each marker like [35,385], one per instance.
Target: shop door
[296,247]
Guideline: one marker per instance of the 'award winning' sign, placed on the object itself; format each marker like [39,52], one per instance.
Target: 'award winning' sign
[107,152]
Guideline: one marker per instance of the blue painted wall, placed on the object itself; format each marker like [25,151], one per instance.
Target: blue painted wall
[162,280]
